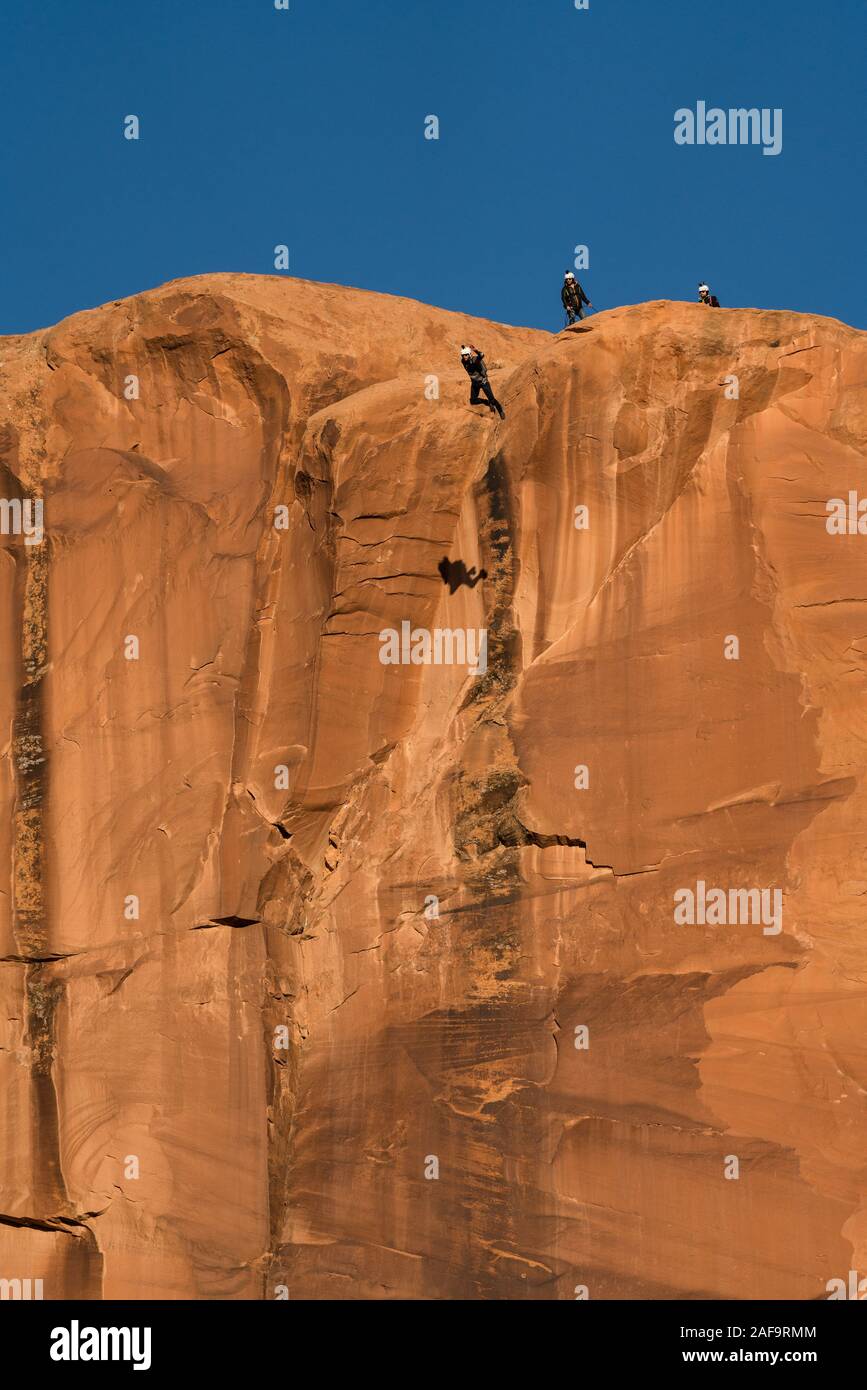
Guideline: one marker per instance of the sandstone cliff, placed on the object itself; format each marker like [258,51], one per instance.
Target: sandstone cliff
[295,943]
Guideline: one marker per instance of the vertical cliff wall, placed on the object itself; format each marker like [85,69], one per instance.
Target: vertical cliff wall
[346,978]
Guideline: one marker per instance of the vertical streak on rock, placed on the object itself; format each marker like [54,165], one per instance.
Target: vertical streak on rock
[28,757]
[30,917]
[29,908]
[271,394]
[43,997]
[492,934]
[282,1090]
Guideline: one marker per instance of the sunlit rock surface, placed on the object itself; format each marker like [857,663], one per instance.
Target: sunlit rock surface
[371,972]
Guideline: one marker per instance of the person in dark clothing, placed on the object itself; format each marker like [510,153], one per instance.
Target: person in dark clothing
[573,297]
[473,362]
[706,297]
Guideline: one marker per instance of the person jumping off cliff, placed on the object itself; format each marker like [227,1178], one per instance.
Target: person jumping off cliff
[573,297]
[706,297]
[473,362]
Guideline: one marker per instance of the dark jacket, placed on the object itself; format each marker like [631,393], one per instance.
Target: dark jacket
[475,366]
[572,295]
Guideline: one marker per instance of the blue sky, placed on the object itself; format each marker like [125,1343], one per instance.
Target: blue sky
[306,127]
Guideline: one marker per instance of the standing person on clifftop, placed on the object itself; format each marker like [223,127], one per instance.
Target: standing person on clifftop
[573,297]
[473,363]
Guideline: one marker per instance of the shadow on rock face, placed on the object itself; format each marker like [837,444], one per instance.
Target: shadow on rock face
[455,573]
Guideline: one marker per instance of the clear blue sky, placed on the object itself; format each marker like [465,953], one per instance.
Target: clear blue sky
[305,127]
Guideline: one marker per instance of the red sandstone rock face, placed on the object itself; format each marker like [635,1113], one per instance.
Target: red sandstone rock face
[221,961]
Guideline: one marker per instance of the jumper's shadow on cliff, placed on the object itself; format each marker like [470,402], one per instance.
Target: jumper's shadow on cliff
[455,573]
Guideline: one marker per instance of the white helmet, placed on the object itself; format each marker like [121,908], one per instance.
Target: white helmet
[465,351]
[569,275]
